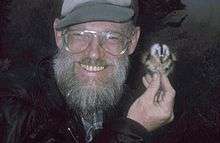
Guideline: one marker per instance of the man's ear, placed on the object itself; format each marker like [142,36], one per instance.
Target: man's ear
[58,34]
[134,40]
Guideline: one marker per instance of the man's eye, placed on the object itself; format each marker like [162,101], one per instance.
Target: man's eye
[74,38]
[78,35]
[113,38]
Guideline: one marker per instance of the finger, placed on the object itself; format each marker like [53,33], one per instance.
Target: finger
[171,118]
[165,83]
[146,80]
[153,86]
[169,92]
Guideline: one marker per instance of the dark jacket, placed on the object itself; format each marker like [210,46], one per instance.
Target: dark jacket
[26,117]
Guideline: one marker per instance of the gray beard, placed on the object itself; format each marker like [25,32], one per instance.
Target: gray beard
[85,99]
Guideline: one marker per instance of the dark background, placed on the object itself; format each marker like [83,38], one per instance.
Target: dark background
[27,46]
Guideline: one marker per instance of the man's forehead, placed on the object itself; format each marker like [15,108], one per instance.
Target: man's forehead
[100,26]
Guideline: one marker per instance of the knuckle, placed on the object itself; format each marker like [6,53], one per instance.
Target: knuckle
[171,92]
[167,115]
[171,118]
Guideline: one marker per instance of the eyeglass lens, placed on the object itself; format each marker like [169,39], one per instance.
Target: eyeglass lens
[78,41]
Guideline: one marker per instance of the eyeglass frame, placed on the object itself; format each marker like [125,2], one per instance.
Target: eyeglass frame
[95,34]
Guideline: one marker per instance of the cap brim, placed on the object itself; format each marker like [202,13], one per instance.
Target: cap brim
[96,12]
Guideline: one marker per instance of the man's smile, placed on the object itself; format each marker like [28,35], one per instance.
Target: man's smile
[93,72]
[92,68]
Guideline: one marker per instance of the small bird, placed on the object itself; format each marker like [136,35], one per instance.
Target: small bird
[159,56]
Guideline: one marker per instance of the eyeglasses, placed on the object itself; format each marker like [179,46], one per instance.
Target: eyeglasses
[76,41]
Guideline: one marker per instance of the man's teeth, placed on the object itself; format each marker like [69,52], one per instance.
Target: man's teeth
[92,68]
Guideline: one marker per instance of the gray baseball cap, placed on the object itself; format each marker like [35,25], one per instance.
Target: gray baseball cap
[81,11]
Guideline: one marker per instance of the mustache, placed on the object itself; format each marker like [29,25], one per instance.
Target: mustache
[94,62]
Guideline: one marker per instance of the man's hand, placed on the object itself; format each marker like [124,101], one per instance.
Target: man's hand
[155,107]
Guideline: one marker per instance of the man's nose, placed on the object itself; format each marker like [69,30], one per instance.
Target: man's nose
[95,50]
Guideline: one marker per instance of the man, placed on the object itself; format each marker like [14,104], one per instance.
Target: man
[95,38]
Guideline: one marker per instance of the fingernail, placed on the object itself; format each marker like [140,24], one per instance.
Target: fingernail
[156,74]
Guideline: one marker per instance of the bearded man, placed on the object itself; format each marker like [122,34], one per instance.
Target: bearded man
[95,39]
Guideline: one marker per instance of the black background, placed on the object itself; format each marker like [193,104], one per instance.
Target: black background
[27,46]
